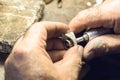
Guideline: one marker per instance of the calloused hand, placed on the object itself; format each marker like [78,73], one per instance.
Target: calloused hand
[40,55]
[105,15]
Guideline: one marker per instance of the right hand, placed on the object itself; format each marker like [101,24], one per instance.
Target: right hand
[106,15]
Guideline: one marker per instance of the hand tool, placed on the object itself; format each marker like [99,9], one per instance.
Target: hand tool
[69,39]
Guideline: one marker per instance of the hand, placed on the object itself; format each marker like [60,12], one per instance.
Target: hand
[40,55]
[106,15]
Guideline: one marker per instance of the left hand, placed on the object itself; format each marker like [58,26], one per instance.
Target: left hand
[40,55]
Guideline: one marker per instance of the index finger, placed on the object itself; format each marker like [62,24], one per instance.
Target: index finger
[41,31]
[86,19]
[49,29]
[45,30]
[55,29]
[104,15]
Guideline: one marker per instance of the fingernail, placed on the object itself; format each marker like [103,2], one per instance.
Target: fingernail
[80,50]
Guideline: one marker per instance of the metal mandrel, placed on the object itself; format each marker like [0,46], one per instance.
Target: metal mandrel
[70,39]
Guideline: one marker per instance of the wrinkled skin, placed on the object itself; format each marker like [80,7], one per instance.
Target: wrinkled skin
[105,15]
[40,55]
[35,56]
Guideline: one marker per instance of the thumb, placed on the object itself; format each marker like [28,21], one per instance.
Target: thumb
[73,57]
[71,63]
[103,45]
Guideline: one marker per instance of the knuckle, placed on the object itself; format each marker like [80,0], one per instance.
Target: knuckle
[18,55]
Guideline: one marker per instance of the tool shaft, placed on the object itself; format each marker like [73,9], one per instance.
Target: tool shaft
[93,33]
[69,39]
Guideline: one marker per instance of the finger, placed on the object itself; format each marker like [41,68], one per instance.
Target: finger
[47,29]
[55,44]
[55,29]
[111,18]
[57,55]
[89,18]
[105,15]
[71,62]
[40,32]
[103,45]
